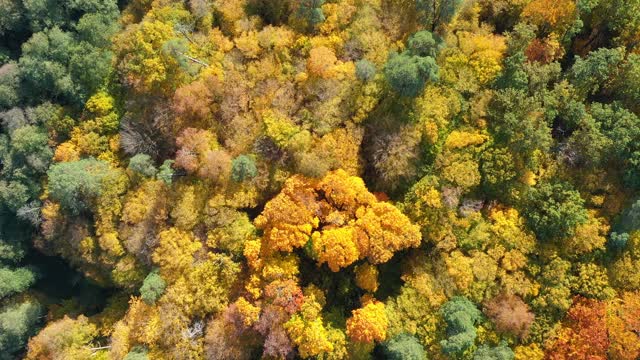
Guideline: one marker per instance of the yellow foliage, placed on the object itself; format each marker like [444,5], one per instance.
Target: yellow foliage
[66,151]
[321,62]
[187,210]
[552,13]
[368,323]
[461,139]
[306,330]
[280,267]
[460,269]
[248,44]
[588,237]
[382,230]
[174,253]
[66,338]
[100,104]
[345,192]
[248,311]
[289,218]
[278,127]
[510,230]
[367,277]
[459,169]
[434,109]
[204,289]
[528,352]
[336,247]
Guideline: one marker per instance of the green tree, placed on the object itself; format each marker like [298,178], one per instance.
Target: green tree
[76,184]
[15,281]
[436,12]
[9,85]
[500,352]
[461,316]
[553,210]
[243,167]
[17,324]
[423,43]
[165,173]
[152,288]
[403,347]
[310,11]
[408,74]
[143,165]
[365,70]
[588,75]
[137,353]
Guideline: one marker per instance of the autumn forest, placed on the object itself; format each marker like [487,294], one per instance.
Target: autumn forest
[319,179]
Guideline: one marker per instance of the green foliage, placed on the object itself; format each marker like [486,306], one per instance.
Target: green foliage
[500,352]
[9,85]
[553,210]
[365,70]
[152,288]
[408,74]
[589,74]
[243,167]
[15,281]
[461,316]
[17,323]
[137,353]
[143,165]
[76,184]
[516,122]
[310,11]
[423,43]
[165,173]
[403,347]
[436,12]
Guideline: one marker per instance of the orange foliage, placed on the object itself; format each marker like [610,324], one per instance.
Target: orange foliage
[368,323]
[585,333]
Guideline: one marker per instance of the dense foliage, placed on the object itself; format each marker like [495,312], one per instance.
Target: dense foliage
[327,179]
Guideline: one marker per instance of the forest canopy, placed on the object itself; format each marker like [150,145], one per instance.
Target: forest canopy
[319,179]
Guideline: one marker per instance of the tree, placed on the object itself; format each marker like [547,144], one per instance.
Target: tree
[310,12]
[137,353]
[589,75]
[623,325]
[403,347]
[76,184]
[15,281]
[336,247]
[368,323]
[243,167]
[174,253]
[461,316]
[165,173]
[423,44]
[321,62]
[17,323]
[436,12]
[152,288]
[408,74]
[66,338]
[142,59]
[500,352]
[143,165]
[510,314]
[584,334]
[554,210]
[55,63]
[365,70]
